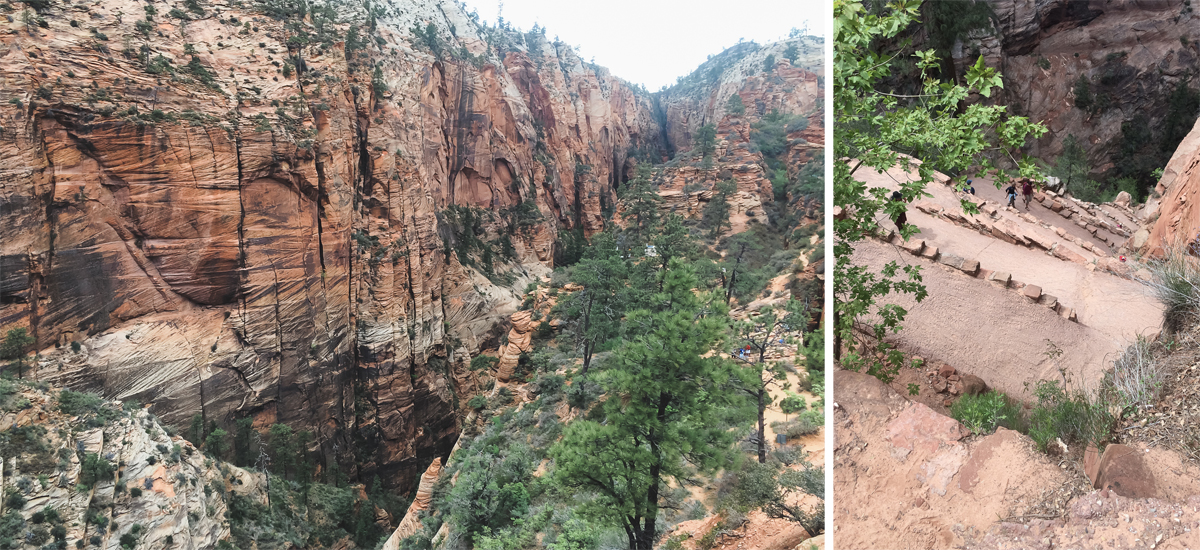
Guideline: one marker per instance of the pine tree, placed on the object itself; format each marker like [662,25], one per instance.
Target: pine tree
[661,412]
[715,215]
[13,347]
[592,316]
[758,376]
[640,212]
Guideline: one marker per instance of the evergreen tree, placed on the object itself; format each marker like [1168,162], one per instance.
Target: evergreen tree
[280,447]
[196,431]
[752,339]
[13,347]
[242,438]
[706,140]
[592,316]
[792,53]
[216,443]
[640,213]
[715,215]
[1072,165]
[661,412]
[735,106]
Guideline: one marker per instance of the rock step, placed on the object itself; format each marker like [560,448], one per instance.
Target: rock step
[1032,293]
[1009,232]
[1092,216]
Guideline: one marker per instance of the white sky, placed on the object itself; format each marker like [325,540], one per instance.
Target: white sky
[652,42]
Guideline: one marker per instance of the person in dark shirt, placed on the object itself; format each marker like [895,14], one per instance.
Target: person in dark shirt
[1011,194]
[969,188]
[902,219]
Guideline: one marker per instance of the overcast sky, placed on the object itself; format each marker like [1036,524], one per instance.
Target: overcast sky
[651,42]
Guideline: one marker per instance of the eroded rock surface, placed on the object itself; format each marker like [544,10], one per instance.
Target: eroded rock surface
[237,216]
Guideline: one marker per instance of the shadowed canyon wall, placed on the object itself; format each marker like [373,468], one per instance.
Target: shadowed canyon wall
[241,215]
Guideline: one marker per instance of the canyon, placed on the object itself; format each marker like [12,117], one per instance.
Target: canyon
[240,209]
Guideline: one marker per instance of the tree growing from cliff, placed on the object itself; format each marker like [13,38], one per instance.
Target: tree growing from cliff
[874,126]
[13,348]
[792,53]
[735,106]
[706,140]
[660,415]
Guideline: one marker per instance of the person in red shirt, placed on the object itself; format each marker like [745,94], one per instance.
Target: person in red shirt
[1027,191]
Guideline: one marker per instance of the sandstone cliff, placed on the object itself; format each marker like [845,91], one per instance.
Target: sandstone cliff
[1133,54]
[1172,221]
[241,209]
[151,488]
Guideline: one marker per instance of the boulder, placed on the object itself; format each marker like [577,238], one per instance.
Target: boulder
[951,260]
[920,428]
[973,385]
[1123,471]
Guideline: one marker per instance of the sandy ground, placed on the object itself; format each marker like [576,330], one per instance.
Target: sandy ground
[1119,308]
[996,334]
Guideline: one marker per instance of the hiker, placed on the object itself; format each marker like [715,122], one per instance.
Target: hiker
[902,219]
[969,188]
[1011,193]
[1027,191]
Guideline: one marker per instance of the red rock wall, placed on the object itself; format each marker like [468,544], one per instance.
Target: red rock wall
[1043,46]
[271,245]
[1174,220]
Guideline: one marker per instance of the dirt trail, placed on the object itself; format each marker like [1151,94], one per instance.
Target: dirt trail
[997,334]
[908,476]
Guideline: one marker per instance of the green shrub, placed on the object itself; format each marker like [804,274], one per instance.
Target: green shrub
[78,403]
[14,500]
[807,423]
[483,362]
[982,414]
[1075,417]
[477,403]
[95,469]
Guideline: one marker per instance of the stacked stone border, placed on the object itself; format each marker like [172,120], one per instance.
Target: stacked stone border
[1031,292]
[1011,233]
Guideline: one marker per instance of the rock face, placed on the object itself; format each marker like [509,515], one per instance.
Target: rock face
[908,477]
[519,338]
[176,502]
[1175,222]
[411,522]
[245,214]
[703,97]
[1132,53]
